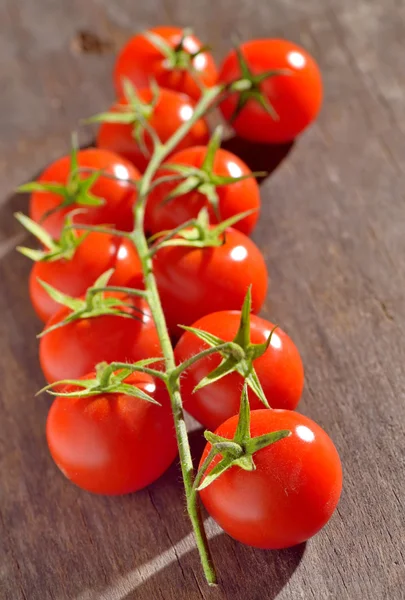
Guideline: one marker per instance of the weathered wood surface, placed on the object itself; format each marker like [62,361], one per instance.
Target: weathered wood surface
[333,233]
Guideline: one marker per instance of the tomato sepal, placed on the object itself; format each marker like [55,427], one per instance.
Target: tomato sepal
[225,464]
[228,365]
[192,182]
[262,441]
[238,355]
[36,186]
[198,233]
[209,338]
[249,89]
[64,247]
[107,380]
[238,451]
[135,112]
[203,179]
[177,57]
[94,303]
[75,191]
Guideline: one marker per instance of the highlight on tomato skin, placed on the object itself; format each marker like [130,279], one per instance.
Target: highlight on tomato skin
[292,493]
[279,370]
[139,61]
[234,198]
[170,112]
[74,349]
[295,95]
[117,193]
[96,254]
[113,443]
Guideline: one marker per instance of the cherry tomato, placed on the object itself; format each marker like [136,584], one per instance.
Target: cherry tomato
[296,97]
[279,369]
[118,194]
[98,253]
[113,443]
[293,491]
[74,349]
[140,61]
[171,111]
[194,282]
[234,198]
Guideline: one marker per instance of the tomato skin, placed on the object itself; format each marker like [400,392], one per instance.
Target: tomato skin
[193,282]
[296,97]
[233,198]
[279,369]
[119,194]
[171,111]
[113,443]
[139,61]
[293,491]
[74,349]
[96,254]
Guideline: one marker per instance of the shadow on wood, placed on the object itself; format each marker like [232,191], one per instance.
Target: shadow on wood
[258,157]
[18,317]
[244,574]
[10,228]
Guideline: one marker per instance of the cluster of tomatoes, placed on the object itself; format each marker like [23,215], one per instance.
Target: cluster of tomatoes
[117,443]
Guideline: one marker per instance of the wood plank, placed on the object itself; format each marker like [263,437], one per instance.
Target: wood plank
[332,231]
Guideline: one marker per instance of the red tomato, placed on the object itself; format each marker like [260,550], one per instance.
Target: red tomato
[97,253]
[113,443]
[140,61]
[296,97]
[194,282]
[279,370]
[74,349]
[119,194]
[171,111]
[293,491]
[234,198]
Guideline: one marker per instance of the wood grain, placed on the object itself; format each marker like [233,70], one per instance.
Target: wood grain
[333,232]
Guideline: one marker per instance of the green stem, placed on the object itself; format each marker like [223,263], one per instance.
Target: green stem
[116,366]
[105,375]
[134,182]
[120,289]
[170,235]
[164,179]
[176,403]
[175,374]
[99,229]
[201,471]
[152,294]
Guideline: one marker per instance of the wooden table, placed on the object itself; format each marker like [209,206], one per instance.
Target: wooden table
[333,232]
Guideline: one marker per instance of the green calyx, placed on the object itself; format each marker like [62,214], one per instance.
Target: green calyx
[135,113]
[197,233]
[238,451]
[75,191]
[106,381]
[177,58]
[96,302]
[203,180]
[54,250]
[239,357]
[249,87]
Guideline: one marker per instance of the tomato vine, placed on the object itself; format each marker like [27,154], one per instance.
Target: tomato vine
[237,355]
